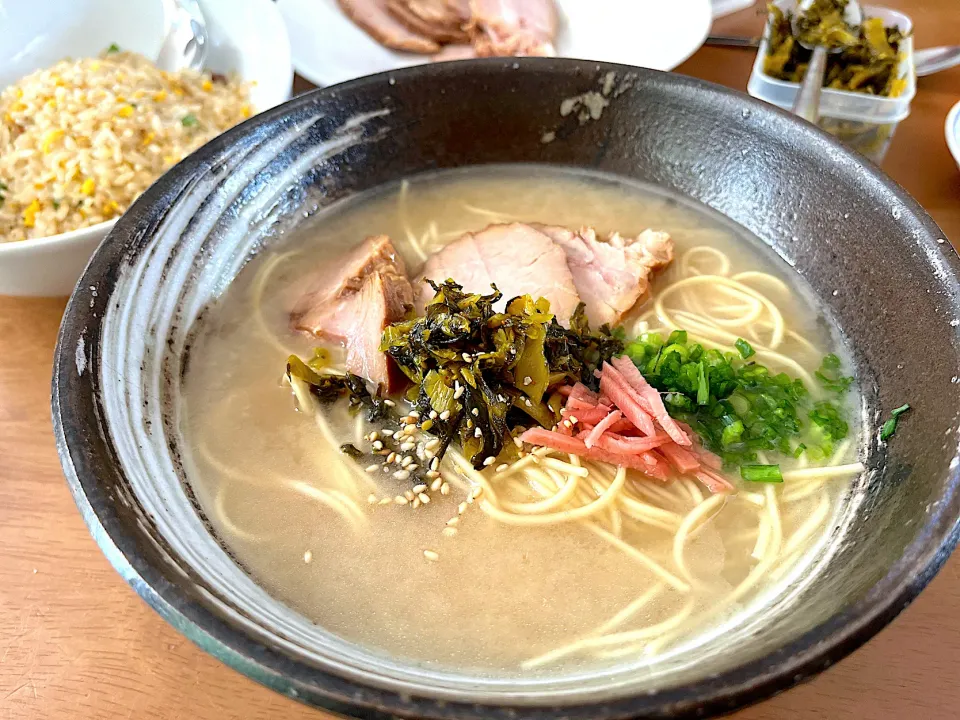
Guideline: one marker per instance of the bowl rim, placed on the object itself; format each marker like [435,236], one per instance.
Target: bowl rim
[53,241]
[952,130]
[85,457]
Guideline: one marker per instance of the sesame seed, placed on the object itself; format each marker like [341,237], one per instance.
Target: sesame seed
[477,433]
[372,468]
[518,442]
[462,508]
[445,415]
[466,357]
[489,461]
[527,401]
[388,433]
[435,485]
[371,498]
[566,424]
[458,393]
[307,556]
[433,415]
[476,492]
[453,521]
[374,436]
[386,468]
[414,413]
[415,504]
[475,412]
[470,499]
[406,461]
[435,463]
[421,455]
[433,443]
[502,467]
[501,398]
[402,475]
[389,403]
[408,446]
[424,498]
[573,420]
[432,474]
[413,466]
[469,423]
[527,380]
[419,488]
[392,457]
[377,445]
[409,495]
[431,555]
[445,488]
[385,501]
[449,531]
[400,500]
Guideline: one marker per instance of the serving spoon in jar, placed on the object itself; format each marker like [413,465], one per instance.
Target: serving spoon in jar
[807,104]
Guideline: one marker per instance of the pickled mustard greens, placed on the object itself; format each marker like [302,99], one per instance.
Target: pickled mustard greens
[868,62]
[472,368]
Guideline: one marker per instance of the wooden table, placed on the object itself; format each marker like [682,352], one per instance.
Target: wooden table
[76,642]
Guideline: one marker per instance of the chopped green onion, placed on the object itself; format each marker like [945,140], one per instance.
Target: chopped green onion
[703,387]
[738,407]
[114,48]
[189,120]
[830,376]
[890,426]
[761,473]
[745,348]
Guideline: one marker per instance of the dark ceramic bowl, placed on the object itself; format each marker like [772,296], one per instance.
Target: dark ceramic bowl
[881,267]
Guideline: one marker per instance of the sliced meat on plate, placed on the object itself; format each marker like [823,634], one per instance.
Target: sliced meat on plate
[353,302]
[612,275]
[375,18]
[512,27]
[439,20]
[517,258]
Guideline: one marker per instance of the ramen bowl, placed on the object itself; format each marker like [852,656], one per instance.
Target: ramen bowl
[128,331]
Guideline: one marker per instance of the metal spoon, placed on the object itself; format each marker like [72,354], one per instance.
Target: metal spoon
[935,59]
[807,104]
[927,61]
[185,46]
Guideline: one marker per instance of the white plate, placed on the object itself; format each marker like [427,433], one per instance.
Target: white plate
[246,36]
[953,132]
[660,34]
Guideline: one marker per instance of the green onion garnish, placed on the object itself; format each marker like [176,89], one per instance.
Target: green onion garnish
[745,348]
[761,473]
[114,48]
[890,426]
[703,387]
[738,407]
[189,120]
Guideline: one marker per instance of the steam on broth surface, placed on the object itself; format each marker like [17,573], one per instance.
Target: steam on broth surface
[456,582]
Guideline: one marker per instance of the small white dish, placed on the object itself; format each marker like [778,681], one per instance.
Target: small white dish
[246,36]
[953,132]
[329,48]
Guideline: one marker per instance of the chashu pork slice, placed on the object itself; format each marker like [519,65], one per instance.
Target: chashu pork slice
[611,275]
[440,20]
[353,301]
[517,258]
[375,18]
[514,27]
